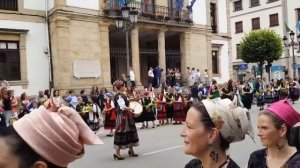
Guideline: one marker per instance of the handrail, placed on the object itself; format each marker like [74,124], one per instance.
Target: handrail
[151,11]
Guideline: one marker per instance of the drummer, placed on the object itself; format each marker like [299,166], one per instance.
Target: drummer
[125,132]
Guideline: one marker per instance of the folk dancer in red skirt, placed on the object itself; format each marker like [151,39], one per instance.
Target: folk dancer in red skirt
[110,114]
[161,108]
[179,108]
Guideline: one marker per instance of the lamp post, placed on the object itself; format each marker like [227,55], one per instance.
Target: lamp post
[292,44]
[125,22]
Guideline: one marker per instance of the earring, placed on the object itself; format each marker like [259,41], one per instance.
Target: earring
[279,146]
[213,153]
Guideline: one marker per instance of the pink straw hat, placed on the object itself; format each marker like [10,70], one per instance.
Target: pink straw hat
[56,134]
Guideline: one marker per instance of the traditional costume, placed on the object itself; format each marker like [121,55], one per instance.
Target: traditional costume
[179,109]
[125,131]
[110,114]
[161,108]
[291,117]
[170,107]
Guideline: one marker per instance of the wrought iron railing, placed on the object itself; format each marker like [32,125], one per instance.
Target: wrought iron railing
[151,12]
[9,5]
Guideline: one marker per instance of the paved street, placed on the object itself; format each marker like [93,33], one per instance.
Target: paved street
[161,147]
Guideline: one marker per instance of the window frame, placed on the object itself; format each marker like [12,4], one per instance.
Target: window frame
[255,4]
[237,9]
[271,1]
[213,18]
[242,29]
[238,53]
[270,20]
[298,14]
[18,56]
[253,23]
[217,60]
[13,7]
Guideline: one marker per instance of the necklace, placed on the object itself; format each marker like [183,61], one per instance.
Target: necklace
[223,164]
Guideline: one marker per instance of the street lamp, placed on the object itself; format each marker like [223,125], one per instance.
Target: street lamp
[125,22]
[292,44]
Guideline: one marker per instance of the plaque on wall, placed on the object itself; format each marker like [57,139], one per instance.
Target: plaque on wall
[86,68]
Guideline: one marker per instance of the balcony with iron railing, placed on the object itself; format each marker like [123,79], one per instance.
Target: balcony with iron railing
[151,12]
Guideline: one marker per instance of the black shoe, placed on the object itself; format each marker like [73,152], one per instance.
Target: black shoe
[132,154]
[109,135]
[116,157]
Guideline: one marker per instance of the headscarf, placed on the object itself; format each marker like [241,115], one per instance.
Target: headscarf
[56,134]
[233,121]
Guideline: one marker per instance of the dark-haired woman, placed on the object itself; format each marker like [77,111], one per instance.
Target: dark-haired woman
[274,127]
[210,128]
[125,132]
[23,144]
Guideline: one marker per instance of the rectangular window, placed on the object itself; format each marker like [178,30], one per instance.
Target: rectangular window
[10,60]
[274,20]
[238,5]
[215,62]
[9,5]
[298,15]
[254,3]
[238,52]
[213,17]
[255,23]
[269,1]
[239,27]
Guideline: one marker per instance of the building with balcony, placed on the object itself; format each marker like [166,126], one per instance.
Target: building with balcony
[71,44]
[246,16]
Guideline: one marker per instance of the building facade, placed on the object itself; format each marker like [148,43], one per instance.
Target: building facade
[24,60]
[249,15]
[71,44]
[213,17]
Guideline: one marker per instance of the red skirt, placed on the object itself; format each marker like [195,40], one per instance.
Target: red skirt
[179,112]
[161,111]
[110,119]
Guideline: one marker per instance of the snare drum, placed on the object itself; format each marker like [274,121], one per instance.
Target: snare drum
[137,107]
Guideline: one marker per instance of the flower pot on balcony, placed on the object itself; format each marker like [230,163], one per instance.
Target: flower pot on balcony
[145,14]
[178,19]
[167,18]
[188,21]
[160,17]
[152,16]
[106,11]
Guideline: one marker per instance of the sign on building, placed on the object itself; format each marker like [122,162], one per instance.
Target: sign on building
[86,68]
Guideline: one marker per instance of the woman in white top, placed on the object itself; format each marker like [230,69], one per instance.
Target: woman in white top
[150,76]
[57,98]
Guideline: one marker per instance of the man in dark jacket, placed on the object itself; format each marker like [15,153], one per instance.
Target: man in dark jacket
[194,92]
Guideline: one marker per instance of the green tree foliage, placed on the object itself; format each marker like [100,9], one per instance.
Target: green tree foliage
[261,46]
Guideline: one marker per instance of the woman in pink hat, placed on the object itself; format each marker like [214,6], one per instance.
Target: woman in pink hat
[48,137]
[274,127]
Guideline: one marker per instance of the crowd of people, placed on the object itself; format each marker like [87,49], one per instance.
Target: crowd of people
[214,115]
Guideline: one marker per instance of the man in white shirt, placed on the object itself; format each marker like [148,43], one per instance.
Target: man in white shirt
[150,76]
[132,77]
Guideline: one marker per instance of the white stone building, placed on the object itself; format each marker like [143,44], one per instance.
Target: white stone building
[248,15]
[214,15]
[24,47]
